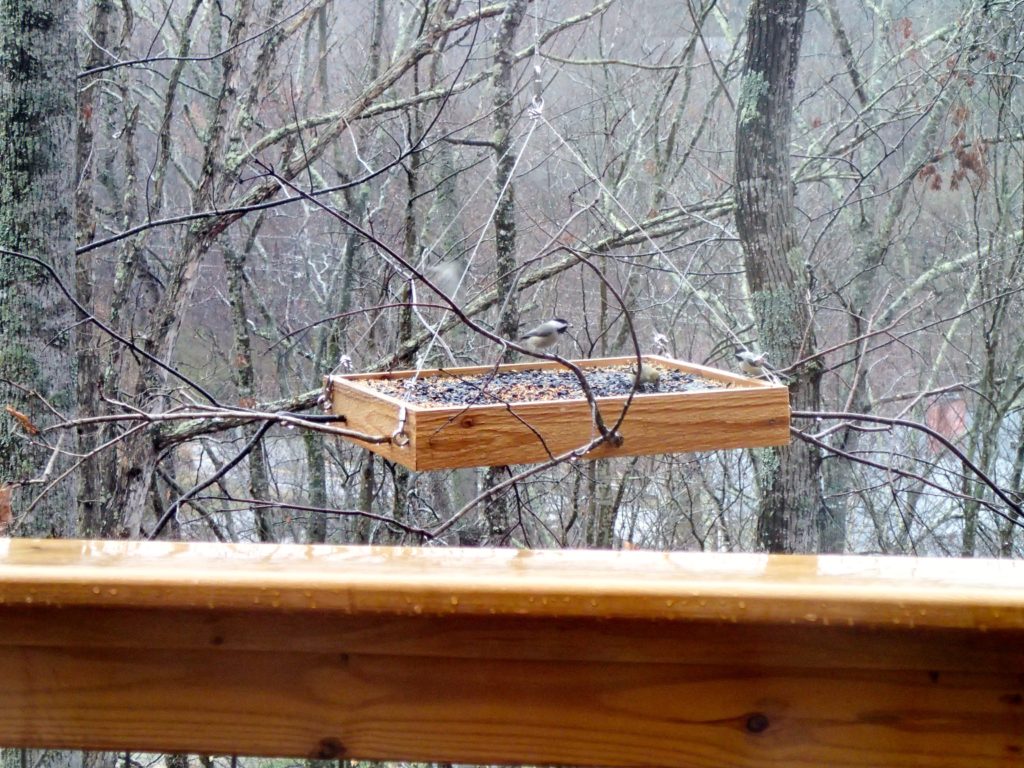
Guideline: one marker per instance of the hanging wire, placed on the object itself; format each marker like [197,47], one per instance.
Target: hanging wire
[640,228]
[534,113]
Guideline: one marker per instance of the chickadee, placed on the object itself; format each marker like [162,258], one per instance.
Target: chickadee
[545,335]
[661,344]
[647,374]
[750,363]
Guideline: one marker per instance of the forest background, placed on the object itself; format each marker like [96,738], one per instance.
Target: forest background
[244,196]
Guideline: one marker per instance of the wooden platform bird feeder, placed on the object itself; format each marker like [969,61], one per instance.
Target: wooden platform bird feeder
[470,417]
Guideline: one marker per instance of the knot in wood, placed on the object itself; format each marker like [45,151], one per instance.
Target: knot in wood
[329,748]
[757,723]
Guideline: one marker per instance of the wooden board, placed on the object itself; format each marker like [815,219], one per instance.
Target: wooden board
[567,657]
[749,413]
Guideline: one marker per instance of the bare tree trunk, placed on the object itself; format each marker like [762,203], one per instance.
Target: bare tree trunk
[505,158]
[316,486]
[86,342]
[332,341]
[497,509]
[137,455]
[38,67]
[362,527]
[789,478]
[245,380]
[607,503]
[401,476]
[37,159]
[1006,529]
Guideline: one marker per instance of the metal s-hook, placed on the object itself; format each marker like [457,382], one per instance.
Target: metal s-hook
[400,437]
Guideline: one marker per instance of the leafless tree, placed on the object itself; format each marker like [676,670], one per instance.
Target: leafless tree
[262,186]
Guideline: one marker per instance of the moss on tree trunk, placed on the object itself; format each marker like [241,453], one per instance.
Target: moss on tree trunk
[789,479]
[37,161]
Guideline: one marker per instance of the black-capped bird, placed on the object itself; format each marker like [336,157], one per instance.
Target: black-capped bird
[545,335]
[751,363]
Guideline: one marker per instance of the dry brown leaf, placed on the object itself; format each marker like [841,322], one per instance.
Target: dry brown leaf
[6,512]
[25,421]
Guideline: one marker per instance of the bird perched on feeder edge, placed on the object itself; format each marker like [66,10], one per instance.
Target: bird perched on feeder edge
[545,335]
[751,363]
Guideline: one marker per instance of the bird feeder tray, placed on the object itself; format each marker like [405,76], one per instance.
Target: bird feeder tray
[716,410]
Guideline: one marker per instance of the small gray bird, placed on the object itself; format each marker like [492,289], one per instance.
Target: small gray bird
[545,335]
[751,363]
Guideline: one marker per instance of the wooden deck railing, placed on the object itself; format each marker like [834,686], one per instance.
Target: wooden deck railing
[567,657]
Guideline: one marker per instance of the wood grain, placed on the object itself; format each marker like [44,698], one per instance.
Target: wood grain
[749,413]
[407,708]
[882,592]
[568,657]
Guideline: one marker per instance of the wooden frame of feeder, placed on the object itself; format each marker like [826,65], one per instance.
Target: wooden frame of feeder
[557,657]
[747,413]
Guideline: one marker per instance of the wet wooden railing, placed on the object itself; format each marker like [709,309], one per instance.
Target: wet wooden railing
[567,657]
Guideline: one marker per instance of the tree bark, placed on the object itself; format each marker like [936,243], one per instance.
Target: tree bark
[87,342]
[244,374]
[38,67]
[497,510]
[788,478]
[37,159]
